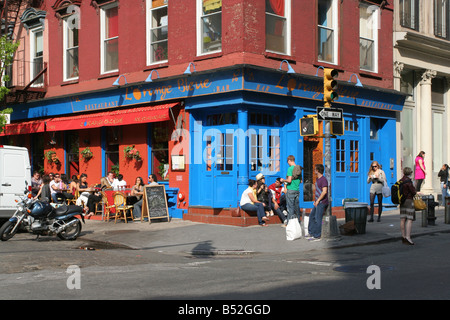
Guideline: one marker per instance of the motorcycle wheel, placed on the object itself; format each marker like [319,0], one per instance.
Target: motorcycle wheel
[72,232]
[5,230]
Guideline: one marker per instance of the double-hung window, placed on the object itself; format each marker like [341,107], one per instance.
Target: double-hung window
[368,37]
[109,47]
[409,14]
[327,32]
[37,55]
[70,50]
[209,27]
[278,26]
[157,23]
[441,18]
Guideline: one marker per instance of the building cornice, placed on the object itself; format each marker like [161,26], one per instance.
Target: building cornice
[422,43]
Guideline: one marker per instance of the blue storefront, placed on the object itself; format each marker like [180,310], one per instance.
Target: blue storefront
[244,120]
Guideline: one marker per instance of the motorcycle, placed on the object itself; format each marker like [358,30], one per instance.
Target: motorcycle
[41,218]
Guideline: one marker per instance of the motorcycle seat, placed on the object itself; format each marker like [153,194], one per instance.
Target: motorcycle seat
[63,210]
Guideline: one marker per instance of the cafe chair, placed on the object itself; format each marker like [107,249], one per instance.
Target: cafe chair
[120,204]
[74,200]
[105,208]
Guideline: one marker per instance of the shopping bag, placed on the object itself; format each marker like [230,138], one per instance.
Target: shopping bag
[293,230]
[386,191]
[305,223]
[419,204]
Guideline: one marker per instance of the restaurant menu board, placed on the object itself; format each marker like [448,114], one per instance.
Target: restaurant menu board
[154,205]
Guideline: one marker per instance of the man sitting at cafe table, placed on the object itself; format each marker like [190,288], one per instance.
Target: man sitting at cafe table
[107,182]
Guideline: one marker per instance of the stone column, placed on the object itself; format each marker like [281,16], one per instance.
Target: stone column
[426,125]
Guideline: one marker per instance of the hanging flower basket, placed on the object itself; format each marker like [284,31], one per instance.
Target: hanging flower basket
[131,153]
[51,157]
[87,154]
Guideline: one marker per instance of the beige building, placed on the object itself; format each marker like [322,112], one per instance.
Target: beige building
[422,70]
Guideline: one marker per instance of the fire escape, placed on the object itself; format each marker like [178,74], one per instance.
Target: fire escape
[20,91]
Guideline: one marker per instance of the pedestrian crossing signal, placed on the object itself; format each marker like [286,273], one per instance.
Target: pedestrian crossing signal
[337,127]
[309,126]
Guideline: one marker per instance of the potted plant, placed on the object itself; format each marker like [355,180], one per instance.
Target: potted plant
[87,154]
[131,153]
[51,157]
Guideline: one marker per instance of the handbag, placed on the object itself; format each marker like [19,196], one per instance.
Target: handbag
[386,191]
[419,204]
[293,230]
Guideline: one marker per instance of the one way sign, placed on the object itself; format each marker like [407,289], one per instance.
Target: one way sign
[329,114]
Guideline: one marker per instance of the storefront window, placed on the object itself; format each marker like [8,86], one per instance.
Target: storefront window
[160,150]
[112,149]
[72,153]
[37,152]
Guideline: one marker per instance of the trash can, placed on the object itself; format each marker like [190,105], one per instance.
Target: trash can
[357,212]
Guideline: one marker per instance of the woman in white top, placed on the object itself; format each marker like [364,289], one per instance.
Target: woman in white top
[250,203]
[377,177]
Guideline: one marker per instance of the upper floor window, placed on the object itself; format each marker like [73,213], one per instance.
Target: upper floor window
[441,18]
[209,28]
[157,21]
[109,31]
[70,49]
[409,14]
[368,37]
[327,31]
[278,26]
[37,55]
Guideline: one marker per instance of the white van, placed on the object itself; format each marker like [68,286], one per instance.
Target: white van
[15,177]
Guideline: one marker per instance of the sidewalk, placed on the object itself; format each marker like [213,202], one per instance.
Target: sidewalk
[186,237]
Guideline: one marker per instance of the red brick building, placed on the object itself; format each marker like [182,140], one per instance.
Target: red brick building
[234,50]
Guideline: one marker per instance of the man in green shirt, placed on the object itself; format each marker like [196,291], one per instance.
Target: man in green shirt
[292,191]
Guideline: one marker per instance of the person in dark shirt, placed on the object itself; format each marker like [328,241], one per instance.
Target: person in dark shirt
[407,209]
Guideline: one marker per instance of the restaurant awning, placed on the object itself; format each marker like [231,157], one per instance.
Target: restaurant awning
[111,118]
[24,128]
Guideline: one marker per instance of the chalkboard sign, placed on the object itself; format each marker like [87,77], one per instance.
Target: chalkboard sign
[154,205]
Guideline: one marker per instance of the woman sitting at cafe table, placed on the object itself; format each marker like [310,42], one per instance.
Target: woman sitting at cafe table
[136,191]
[89,196]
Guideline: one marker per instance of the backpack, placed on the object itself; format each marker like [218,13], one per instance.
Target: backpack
[297,172]
[397,195]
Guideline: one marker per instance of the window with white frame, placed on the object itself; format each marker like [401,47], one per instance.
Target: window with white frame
[70,50]
[441,18]
[368,37]
[157,24]
[109,47]
[37,55]
[409,14]
[278,26]
[209,27]
[327,32]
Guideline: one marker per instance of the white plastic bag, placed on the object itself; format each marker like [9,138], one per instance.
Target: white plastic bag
[305,223]
[293,230]
[386,191]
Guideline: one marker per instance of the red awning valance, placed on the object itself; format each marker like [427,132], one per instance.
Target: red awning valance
[24,128]
[111,118]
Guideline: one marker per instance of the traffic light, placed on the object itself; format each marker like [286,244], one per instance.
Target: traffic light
[329,85]
[337,127]
[309,125]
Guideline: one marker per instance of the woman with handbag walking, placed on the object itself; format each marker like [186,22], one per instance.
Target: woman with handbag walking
[378,178]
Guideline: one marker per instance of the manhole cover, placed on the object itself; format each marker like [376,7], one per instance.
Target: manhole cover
[360,268]
[113,232]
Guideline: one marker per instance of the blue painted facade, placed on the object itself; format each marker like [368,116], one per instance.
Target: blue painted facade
[244,120]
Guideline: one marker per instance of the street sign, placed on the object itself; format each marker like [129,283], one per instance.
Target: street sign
[329,114]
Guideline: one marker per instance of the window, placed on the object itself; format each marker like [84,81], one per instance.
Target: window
[112,139]
[37,55]
[109,48]
[327,31]
[72,153]
[278,26]
[368,37]
[441,18]
[70,50]
[160,150]
[210,26]
[265,151]
[409,14]
[157,31]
